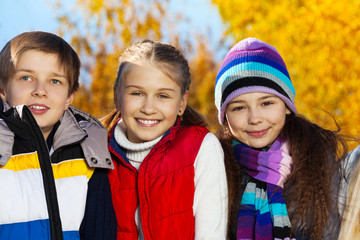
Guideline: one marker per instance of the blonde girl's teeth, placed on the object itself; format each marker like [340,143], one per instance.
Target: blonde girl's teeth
[148,121]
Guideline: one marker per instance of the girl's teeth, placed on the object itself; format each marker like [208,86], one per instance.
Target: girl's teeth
[148,122]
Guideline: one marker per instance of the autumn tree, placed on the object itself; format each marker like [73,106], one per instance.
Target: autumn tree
[105,28]
[99,30]
[319,41]
[203,74]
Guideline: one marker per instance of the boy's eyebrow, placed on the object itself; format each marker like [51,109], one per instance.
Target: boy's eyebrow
[31,71]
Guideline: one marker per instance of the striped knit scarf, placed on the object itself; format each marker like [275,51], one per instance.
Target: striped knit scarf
[263,214]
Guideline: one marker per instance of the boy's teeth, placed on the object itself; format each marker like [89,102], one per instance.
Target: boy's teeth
[38,107]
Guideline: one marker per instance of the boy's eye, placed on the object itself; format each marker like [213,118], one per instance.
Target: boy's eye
[55,81]
[26,78]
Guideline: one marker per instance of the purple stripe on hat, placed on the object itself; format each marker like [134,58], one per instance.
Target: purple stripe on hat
[264,59]
[251,44]
[274,56]
[243,62]
[244,90]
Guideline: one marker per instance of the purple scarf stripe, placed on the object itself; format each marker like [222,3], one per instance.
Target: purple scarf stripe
[270,168]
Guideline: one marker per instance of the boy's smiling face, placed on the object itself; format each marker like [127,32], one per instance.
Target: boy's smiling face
[40,82]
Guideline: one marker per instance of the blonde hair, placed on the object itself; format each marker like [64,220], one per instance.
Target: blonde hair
[350,227]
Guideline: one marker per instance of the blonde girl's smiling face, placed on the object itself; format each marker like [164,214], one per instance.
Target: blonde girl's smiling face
[256,119]
[149,102]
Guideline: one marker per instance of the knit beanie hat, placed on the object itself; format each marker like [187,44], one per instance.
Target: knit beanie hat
[252,66]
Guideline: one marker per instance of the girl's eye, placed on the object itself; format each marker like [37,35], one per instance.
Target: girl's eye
[135,94]
[54,81]
[238,108]
[163,96]
[267,103]
[26,78]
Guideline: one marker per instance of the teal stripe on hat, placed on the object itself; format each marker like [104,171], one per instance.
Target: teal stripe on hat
[253,69]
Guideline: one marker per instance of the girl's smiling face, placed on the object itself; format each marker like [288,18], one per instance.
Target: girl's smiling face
[149,102]
[256,119]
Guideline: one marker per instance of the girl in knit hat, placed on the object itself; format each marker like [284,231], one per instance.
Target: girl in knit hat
[280,166]
[169,180]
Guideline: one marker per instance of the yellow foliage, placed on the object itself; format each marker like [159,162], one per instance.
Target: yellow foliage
[201,94]
[110,26]
[319,41]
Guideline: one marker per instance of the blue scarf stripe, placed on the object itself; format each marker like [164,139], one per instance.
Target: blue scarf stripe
[278,209]
[248,210]
[264,219]
[276,197]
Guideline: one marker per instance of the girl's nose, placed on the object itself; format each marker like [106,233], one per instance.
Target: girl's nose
[255,116]
[149,106]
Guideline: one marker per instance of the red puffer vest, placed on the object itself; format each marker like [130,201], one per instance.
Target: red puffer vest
[163,187]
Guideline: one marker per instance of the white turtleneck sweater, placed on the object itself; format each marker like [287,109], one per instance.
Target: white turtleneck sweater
[210,198]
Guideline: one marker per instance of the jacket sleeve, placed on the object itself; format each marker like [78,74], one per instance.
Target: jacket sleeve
[348,165]
[99,221]
[210,199]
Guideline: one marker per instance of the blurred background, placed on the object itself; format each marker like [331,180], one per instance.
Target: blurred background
[318,40]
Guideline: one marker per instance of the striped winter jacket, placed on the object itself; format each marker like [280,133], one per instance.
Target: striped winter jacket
[61,195]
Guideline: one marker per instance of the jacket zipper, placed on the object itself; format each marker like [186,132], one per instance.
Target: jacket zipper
[56,232]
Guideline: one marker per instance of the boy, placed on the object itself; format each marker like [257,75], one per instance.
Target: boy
[53,157]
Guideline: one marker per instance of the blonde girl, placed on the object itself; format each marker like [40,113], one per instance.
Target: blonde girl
[169,180]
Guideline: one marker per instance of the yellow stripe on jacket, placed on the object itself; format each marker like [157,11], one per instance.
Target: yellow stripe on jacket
[21,181]
[69,168]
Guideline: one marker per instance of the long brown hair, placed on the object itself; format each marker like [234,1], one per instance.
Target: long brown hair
[310,198]
[169,61]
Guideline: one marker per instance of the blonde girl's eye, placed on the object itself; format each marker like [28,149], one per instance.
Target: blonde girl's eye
[165,96]
[135,93]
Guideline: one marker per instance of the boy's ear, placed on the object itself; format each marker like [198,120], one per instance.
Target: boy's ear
[69,100]
[183,103]
[3,95]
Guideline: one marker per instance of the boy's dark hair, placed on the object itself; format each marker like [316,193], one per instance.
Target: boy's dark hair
[44,42]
